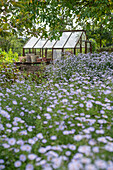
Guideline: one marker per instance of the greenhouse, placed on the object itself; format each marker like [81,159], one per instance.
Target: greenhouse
[74,42]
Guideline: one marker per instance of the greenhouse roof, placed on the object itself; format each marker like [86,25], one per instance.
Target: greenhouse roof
[69,39]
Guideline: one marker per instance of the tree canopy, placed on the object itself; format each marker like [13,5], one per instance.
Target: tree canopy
[35,16]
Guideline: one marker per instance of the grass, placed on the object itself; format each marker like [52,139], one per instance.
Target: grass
[63,122]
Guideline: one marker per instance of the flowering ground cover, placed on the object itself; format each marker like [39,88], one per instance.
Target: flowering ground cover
[64,123]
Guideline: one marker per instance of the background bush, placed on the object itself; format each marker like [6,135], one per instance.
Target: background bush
[8,56]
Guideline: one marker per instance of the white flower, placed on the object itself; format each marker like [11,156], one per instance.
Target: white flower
[49,109]
[92,142]
[78,137]
[16,150]
[20,142]
[42,150]
[1,161]
[66,132]
[109,147]
[57,162]
[31,141]
[98,102]
[5,145]
[81,105]
[44,141]
[102,139]
[2,167]
[101,121]
[101,164]
[39,136]
[32,156]
[58,148]
[90,167]
[8,90]
[8,125]
[26,147]
[85,149]
[1,127]
[47,167]
[107,92]
[14,102]
[53,137]
[75,165]
[29,167]
[78,156]
[85,160]
[5,114]
[1,94]
[22,157]
[17,164]
[101,131]
[64,101]
[74,102]
[24,98]
[12,141]
[68,153]
[72,147]
[95,149]
[89,104]
[17,119]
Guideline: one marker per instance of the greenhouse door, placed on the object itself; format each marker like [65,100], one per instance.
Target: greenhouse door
[57,53]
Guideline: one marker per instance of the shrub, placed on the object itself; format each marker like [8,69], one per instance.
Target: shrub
[108,49]
[8,57]
[94,44]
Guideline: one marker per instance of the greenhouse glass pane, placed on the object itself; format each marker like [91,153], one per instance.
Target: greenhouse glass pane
[83,36]
[78,45]
[40,43]
[57,53]
[83,44]
[50,44]
[60,43]
[31,42]
[88,45]
[73,40]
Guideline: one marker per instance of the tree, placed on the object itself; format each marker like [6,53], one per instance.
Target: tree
[34,16]
[12,42]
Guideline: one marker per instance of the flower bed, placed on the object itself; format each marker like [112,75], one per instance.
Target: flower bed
[66,122]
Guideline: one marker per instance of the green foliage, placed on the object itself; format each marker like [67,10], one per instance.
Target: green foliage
[32,17]
[13,42]
[8,57]
[94,44]
[8,74]
[109,49]
[38,76]
[57,14]
[101,35]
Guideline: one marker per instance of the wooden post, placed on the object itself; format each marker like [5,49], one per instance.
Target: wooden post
[40,52]
[32,50]
[74,51]
[46,53]
[35,51]
[90,47]
[23,52]
[81,45]
[52,54]
[62,56]
[85,47]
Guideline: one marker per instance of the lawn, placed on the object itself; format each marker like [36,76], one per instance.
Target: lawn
[64,121]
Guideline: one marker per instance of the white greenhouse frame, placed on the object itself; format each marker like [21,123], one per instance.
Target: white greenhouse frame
[74,41]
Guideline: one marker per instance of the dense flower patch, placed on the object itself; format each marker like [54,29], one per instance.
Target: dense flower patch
[65,123]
